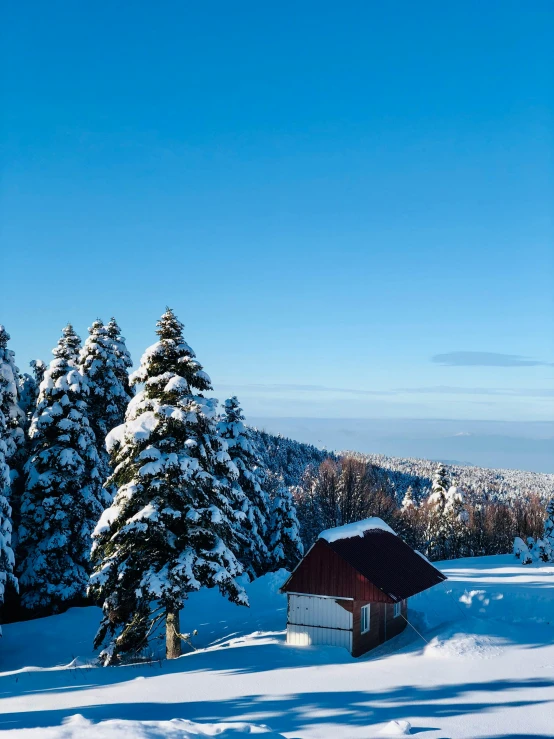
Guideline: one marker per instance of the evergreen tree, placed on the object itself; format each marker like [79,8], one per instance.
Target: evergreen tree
[408,500]
[549,523]
[6,553]
[170,529]
[285,544]
[14,417]
[308,506]
[27,390]
[437,524]
[11,440]
[39,368]
[407,519]
[457,521]
[123,364]
[63,497]
[547,541]
[104,360]
[252,516]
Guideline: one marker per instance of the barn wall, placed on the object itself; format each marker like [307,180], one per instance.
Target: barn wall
[362,643]
[304,636]
[383,626]
[317,620]
[309,610]
[396,625]
[323,572]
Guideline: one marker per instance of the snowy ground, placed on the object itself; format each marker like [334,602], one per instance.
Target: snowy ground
[483,667]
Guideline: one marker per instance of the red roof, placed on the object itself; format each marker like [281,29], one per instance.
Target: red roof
[379,558]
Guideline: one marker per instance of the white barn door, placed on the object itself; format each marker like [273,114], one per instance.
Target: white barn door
[316,620]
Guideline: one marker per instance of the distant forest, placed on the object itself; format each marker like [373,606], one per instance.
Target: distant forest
[480,511]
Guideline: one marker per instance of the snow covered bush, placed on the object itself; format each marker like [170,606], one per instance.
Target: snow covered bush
[539,549]
[521,551]
[63,496]
[252,515]
[170,529]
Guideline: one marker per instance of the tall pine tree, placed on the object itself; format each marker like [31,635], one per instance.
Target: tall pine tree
[124,363]
[437,522]
[11,441]
[63,498]
[105,360]
[170,529]
[285,544]
[457,520]
[253,513]
[14,416]
[548,535]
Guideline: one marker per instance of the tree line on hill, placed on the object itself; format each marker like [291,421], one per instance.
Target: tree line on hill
[440,520]
[490,484]
[130,490]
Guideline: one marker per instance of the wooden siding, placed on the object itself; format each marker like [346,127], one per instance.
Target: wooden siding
[324,572]
[395,626]
[383,626]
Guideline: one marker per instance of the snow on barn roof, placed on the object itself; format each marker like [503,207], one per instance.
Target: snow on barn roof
[358,528]
[374,551]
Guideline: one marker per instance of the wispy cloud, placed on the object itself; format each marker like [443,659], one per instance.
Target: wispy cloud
[453,390]
[284,388]
[487,359]
[290,387]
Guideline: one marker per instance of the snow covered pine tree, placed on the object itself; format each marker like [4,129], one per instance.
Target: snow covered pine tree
[253,510]
[437,524]
[457,520]
[169,530]
[11,438]
[105,361]
[285,544]
[63,496]
[548,536]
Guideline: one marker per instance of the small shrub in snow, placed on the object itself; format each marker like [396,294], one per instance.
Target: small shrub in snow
[540,549]
[521,551]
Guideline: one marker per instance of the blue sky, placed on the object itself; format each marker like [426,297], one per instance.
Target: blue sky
[329,195]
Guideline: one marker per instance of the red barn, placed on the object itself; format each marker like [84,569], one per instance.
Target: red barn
[352,587]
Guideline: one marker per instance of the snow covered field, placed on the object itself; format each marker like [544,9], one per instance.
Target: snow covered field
[483,667]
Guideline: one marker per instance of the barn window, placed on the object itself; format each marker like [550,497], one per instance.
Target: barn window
[364,619]
[397,609]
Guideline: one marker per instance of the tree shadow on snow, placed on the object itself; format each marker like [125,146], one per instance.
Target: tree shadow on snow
[295,713]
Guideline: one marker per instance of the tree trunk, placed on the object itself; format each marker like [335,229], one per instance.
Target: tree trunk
[172,640]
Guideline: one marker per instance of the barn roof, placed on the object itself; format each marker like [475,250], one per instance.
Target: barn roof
[365,561]
[388,562]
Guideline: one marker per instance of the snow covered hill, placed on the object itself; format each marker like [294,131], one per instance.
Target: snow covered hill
[495,484]
[478,662]
[290,458]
